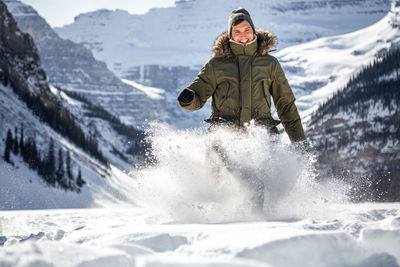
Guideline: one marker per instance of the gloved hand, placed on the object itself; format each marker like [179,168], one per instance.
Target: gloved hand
[186,96]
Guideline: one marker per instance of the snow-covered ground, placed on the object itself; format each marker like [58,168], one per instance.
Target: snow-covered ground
[341,235]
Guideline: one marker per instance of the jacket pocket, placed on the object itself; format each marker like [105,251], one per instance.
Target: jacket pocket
[220,95]
[267,95]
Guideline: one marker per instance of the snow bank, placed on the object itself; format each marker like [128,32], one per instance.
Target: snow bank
[217,176]
[152,92]
[350,235]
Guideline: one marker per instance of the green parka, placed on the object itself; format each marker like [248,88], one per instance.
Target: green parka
[241,80]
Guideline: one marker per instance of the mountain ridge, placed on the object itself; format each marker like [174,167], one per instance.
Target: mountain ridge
[34,116]
[188,29]
[72,67]
[356,132]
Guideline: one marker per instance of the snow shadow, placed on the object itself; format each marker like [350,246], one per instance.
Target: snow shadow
[225,175]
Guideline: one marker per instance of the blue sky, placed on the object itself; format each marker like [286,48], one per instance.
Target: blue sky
[61,12]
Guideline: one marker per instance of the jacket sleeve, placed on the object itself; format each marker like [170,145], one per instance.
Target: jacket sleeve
[203,85]
[284,99]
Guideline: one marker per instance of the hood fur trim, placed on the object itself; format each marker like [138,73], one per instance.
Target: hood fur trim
[266,42]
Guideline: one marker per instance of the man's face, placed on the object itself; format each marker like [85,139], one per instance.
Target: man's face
[242,33]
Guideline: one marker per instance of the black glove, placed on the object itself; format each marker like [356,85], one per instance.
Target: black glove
[186,96]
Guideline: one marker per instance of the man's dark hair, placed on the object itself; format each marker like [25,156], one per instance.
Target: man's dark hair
[238,22]
[237,16]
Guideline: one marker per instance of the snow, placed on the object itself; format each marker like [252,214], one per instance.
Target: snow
[351,235]
[69,100]
[390,77]
[22,188]
[19,9]
[152,92]
[191,182]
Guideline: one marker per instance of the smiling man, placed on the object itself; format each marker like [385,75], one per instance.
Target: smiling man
[241,77]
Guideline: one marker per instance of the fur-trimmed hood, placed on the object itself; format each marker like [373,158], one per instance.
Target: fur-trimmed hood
[266,42]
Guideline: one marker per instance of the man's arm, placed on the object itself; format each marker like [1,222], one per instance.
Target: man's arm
[203,87]
[284,99]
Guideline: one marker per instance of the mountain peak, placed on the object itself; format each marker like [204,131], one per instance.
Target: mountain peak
[17,8]
[101,14]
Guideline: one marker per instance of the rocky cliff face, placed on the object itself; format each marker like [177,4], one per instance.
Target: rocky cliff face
[72,67]
[19,58]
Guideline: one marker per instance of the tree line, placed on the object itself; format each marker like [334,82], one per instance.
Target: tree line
[54,114]
[367,84]
[56,171]
[138,144]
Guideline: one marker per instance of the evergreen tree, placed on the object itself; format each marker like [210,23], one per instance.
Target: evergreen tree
[69,167]
[9,143]
[5,77]
[41,166]
[79,181]
[50,164]
[60,169]
[21,141]
[32,154]
[16,144]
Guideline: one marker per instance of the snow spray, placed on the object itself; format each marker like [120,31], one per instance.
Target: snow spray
[200,176]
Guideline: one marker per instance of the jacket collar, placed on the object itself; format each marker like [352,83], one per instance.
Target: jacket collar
[264,43]
[244,50]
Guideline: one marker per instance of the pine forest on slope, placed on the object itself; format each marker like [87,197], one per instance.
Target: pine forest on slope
[356,133]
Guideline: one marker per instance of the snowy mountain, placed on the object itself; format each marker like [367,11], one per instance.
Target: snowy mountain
[183,35]
[72,67]
[36,125]
[317,69]
[21,187]
[357,132]
[90,90]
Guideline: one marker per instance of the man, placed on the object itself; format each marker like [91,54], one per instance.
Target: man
[241,77]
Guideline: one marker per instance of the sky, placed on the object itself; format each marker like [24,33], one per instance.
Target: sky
[60,12]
